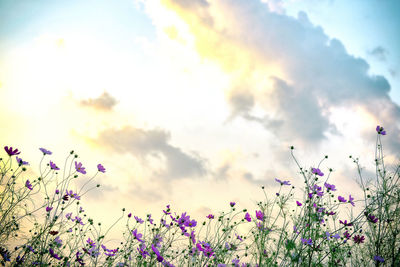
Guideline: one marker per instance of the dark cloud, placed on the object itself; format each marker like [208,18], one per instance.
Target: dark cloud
[154,143]
[103,102]
[318,72]
[379,53]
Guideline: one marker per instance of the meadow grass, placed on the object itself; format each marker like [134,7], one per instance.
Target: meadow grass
[43,223]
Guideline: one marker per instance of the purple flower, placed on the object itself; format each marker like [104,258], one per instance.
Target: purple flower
[45,151]
[379,258]
[210,216]
[48,209]
[28,185]
[341,199]
[57,191]
[100,168]
[68,215]
[317,171]
[137,235]
[10,151]
[372,218]
[53,254]
[58,241]
[380,130]
[330,187]
[53,166]
[282,182]
[142,250]
[260,215]
[138,220]
[192,237]
[247,217]
[238,237]
[129,215]
[358,239]
[91,242]
[79,167]
[351,200]
[346,235]
[295,229]
[232,204]
[21,162]
[159,257]
[298,203]
[306,241]
[190,223]
[345,223]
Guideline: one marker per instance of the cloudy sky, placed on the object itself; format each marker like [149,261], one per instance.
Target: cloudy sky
[195,103]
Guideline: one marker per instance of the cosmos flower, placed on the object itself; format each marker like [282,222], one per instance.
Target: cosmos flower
[11,152]
[282,182]
[317,171]
[28,185]
[21,162]
[100,168]
[53,166]
[247,217]
[80,168]
[380,130]
[45,151]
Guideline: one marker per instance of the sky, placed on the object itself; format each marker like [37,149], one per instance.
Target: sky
[195,103]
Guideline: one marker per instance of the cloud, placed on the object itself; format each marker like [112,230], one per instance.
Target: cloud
[104,102]
[154,144]
[379,53]
[285,66]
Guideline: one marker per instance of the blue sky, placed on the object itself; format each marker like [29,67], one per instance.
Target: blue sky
[196,103]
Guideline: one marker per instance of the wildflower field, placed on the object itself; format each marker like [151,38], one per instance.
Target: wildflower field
[43,222]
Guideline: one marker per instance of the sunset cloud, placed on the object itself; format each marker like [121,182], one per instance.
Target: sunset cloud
[307,72]
[144,144]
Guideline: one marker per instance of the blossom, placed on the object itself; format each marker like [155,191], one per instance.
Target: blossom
[53,254]
[260,215]
[28,185]
[341,199]
[379,258]
[48,209]
[159,257]
[380,130]
[21,162]
[346,235]
[232,204]
[45,151]
[282,182]
[210,216]
[101,168]
[306,241]
[358,239]
[351,200]
[129,215]
[372,218]
[80,168]
[11,152]
[68,215]
[192,237]
[247,217]
[142,250]
[298,203]
[345,223]
[190,223]
[53,166]
[58,241]
[238,237]
[91,242]
[317,171]
[330,187]
[138,219]
[137,235]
